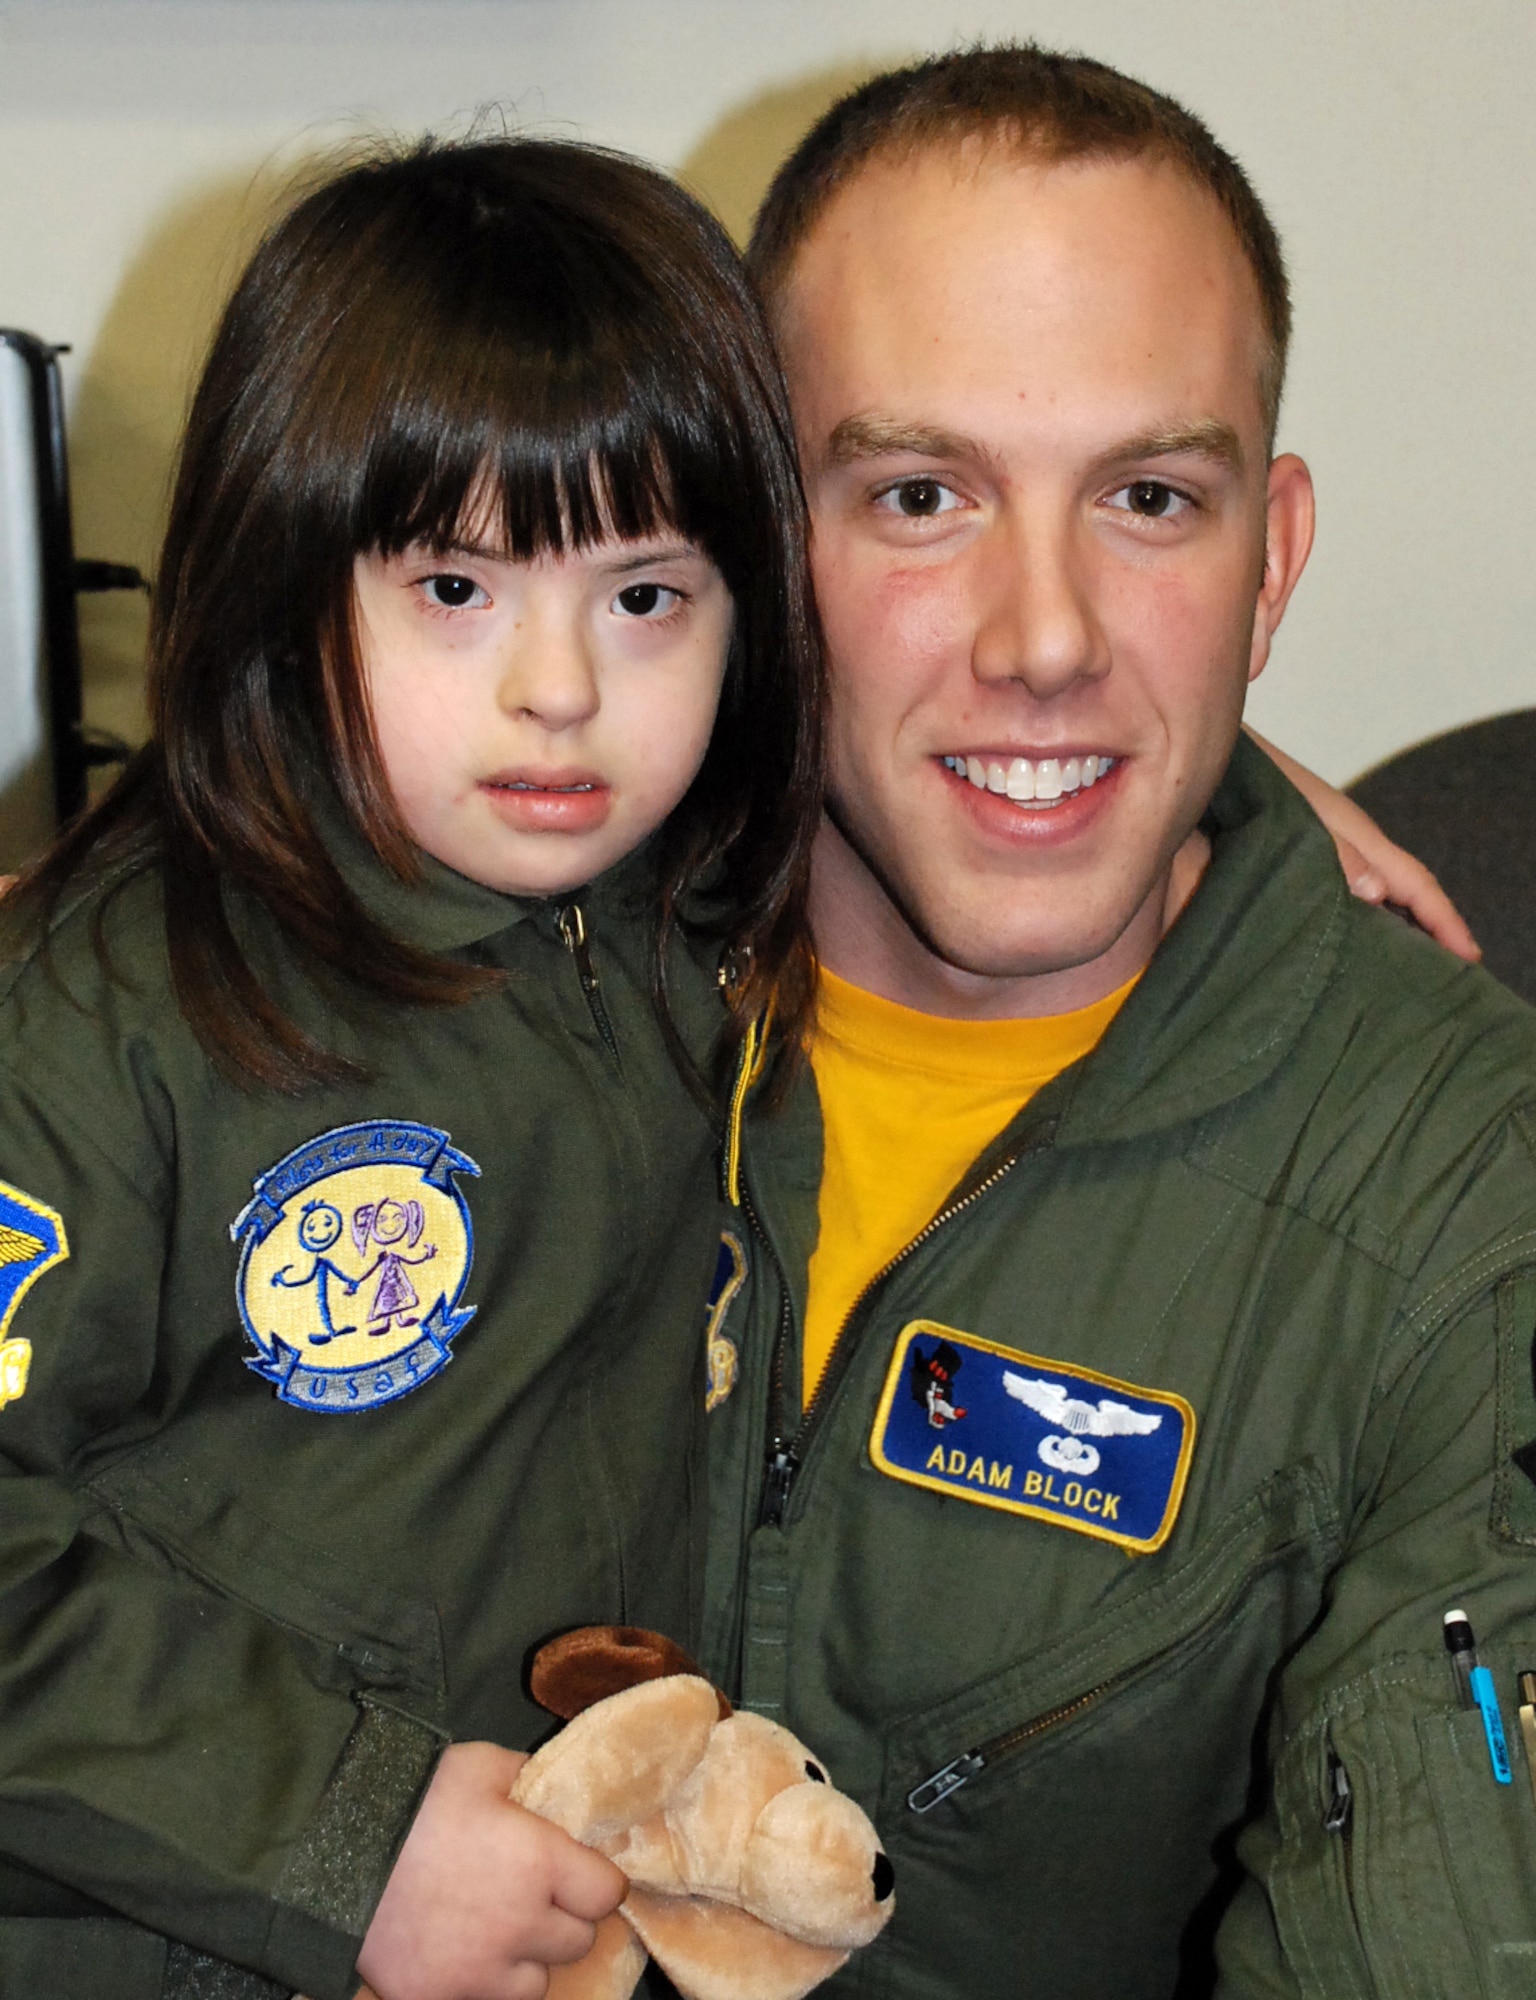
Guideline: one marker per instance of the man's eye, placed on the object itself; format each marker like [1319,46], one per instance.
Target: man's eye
[646,600]
[451,591]
[919,499]
[1151,499]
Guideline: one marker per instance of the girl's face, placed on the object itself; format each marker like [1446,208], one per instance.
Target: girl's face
[538,719]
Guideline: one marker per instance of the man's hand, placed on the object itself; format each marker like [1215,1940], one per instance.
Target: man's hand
[1377,869]
[484,1896]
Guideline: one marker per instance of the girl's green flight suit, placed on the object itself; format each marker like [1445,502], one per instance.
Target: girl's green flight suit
[243,1606]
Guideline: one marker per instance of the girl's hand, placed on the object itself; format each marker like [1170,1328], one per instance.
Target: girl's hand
[1376,869]
[484,1896]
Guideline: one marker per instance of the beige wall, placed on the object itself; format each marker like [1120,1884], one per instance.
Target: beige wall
[141,142]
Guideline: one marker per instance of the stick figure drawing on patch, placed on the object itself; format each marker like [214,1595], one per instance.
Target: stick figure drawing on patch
[319,1227]
[387,1222]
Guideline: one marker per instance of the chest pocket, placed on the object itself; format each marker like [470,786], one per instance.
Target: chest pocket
[1099,1771]
[363,1636]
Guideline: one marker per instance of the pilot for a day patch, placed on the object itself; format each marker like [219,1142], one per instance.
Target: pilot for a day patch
[32,1241]
[356,1251]
[988,1424]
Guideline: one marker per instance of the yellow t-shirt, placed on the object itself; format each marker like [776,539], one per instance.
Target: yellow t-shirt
[908,1101]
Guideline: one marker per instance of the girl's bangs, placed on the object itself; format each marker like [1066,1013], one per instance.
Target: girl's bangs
[541,453]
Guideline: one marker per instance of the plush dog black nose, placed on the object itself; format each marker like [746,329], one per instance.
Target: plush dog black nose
[883,1875]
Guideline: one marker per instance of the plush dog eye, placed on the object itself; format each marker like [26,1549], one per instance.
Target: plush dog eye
[815,1773]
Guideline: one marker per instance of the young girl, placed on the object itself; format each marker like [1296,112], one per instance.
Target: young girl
[355,1219]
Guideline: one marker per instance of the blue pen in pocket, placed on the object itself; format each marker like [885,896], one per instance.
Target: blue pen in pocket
[1493,1724]
[1474,1684]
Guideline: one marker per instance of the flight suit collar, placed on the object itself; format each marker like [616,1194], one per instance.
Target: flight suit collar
[444,911]
[1233,983]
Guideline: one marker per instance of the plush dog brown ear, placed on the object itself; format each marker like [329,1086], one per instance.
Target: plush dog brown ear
[579,1668]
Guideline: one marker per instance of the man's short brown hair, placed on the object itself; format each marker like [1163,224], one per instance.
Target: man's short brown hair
[1051,108]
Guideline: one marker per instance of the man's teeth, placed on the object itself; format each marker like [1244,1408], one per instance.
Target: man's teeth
[1030,782]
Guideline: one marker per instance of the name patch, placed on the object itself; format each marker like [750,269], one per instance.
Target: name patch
[1003,1429]
[32,1241]
[356,1248]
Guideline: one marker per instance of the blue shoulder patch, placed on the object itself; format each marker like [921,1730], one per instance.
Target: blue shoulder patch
[988,1424]
[32,1241]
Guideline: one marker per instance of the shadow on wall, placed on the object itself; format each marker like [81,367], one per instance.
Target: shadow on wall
[132,393]
[731,166]
[129,404]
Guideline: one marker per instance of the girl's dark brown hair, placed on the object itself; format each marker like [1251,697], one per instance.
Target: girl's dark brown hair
[548,331]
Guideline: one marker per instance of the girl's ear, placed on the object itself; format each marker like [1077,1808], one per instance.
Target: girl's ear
[579,1668]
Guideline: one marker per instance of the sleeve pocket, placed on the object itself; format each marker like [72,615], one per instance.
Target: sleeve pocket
[1428,1890]
[1487,1834]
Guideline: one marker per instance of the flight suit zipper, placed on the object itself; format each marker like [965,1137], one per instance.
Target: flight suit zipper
[960,1770]
[1341,1797]
[786,1454]
[572,926]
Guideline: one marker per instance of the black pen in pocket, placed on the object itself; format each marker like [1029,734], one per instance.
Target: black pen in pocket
[1462,1647]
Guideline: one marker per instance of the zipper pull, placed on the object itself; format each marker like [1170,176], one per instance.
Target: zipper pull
[924,1797]
[572,926]
[782,1467]
[747,1064]
[1342,1804]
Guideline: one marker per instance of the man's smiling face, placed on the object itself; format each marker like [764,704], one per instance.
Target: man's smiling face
[1050,552]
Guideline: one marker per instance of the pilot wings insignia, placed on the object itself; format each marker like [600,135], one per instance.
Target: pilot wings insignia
[1078,1419]
[1102,1419]
[17,1246]
[32,1241]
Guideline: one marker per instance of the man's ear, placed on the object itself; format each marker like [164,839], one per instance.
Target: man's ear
[1290,518]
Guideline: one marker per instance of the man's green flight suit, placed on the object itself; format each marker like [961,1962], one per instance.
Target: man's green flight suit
[1293,1186]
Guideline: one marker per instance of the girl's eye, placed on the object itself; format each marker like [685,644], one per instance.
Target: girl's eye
[646,600]
[1151,500]
[451,592]
[919,499]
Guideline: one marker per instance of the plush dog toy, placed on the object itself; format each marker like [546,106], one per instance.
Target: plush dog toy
[751,1877]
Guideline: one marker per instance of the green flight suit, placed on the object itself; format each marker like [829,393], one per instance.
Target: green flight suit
[273,1529]
[1294,1186]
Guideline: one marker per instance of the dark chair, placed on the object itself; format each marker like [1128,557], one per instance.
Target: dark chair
[1465,803]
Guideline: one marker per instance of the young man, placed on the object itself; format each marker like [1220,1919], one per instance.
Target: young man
[1163,1371]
